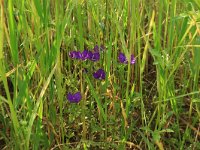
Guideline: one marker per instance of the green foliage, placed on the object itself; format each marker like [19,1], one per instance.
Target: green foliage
[153,104]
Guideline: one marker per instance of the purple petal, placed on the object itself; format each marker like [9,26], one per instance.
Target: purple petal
[122,58]
[90,54]
[103,76]
[74,98]
[85,55]
[99,74]
[77,54]
[132,59]
[77,97]
[95,56]
[70,97]
[96,75]
[100,71]
[72,54]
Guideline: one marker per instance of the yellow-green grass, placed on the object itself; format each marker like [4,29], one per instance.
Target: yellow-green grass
[153,104]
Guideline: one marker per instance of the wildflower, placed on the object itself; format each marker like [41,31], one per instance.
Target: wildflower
[132,59]
[122,58]
[85,54]
[99,74]
[74,98]
[72,54]
[95,56]
[75,54]
[90,54]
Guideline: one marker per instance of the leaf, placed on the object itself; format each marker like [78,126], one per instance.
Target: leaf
[166,130]
[156,135]
[155,52]
[124,114]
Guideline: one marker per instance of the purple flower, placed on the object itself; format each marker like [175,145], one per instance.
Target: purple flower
[72,54]
[132,59]
[90,54]
[74,98]
[99,74]
[95,56]
[122,58]
[85,54]
[75,54]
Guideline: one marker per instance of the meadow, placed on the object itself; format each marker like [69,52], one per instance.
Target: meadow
[100,74]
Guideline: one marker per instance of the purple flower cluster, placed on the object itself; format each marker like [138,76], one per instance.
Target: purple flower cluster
[100,73]
[122,58]
[75,98]
[85,55]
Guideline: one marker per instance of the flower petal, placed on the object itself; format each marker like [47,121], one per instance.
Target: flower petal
[99,74]
[74,98]
[77,97]
[72,54]
[77,54]
[122,58]
[132,59]
[70,97]
[95,56]
[96,75]
[90,54]
[84,54]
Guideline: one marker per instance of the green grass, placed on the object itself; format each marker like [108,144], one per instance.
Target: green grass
[153,104]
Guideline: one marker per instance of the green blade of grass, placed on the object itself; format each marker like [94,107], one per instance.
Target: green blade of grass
[34,114]
[13,34]
[96,97]
[13,115]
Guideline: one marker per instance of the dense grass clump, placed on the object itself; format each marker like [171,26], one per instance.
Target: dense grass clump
[99,74]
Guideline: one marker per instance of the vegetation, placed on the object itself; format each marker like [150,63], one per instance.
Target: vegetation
[55,95]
